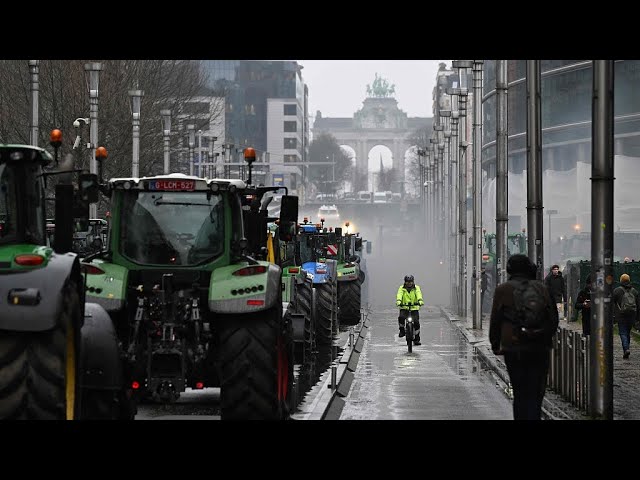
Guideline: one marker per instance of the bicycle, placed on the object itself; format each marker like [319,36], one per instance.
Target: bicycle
[409,331]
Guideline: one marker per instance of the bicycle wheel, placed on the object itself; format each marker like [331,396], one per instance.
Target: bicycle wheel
[409,334]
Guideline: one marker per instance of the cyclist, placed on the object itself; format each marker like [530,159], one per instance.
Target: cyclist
[409,297]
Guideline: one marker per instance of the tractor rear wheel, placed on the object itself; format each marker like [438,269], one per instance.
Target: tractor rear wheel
[256,366]
[349,300]
[38,370]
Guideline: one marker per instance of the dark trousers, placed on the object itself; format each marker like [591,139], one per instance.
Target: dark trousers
[416,319]
[528,376]
[625,322]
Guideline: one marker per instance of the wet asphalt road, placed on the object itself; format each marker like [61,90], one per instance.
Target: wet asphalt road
[440,380]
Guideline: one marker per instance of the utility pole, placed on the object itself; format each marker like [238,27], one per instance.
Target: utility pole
[34,68]
[535,218]
[602,182]
[502,169]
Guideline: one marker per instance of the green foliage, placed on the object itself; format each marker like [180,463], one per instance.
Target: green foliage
[325,148]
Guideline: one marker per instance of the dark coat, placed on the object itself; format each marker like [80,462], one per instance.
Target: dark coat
[557,287]
[583,295]
[501,333]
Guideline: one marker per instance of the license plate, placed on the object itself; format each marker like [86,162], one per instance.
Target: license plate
[172,185]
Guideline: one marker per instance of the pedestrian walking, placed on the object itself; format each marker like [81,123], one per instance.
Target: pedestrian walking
[524,319]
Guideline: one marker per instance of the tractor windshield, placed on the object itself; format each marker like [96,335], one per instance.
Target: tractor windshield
[172,228]
[312,248]
[8,211]
[21,221]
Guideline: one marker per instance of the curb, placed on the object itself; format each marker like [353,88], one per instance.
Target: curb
[328,403]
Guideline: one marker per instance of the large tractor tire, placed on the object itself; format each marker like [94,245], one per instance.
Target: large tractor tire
[325,305]
[349,301]
[38,370]
[256,366]
[305,305]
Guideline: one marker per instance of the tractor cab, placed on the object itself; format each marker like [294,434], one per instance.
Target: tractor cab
[22,209]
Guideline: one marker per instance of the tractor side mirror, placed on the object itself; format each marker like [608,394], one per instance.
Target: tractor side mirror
[89,187]
[331,238]
[289,209]
[358,244]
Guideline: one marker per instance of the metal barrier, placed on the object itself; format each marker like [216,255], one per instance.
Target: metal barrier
[569,367]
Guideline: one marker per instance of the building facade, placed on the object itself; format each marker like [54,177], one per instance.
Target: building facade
[256,93]
[566,92]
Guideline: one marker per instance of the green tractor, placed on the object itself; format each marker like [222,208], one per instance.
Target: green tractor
[193,303]
[59,357]
[298,296]
[350,275]
[313,243]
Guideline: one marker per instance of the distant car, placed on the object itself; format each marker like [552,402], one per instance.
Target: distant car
[380,197]
[349,196]
[329,213]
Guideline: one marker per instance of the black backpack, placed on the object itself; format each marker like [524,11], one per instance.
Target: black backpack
[530,314]
[628,301]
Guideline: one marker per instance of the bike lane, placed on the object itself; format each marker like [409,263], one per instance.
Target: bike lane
[442,379]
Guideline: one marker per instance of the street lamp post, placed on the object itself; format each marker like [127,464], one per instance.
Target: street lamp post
[200,153]
[550,212]
[34,68]
[136,100]
[92,71]
[191,132]
[213,167]
[478,66]
[166,132]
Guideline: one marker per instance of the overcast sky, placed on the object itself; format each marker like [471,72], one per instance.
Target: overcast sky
[338,87]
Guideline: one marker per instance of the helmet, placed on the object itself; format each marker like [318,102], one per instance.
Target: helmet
[408,278]
[520,264]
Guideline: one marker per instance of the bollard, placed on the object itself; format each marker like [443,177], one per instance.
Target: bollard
[351,337]
[577,345]
[556,361]
[569,365]
[587,376]
[583,370]
[334,377]
[574,368]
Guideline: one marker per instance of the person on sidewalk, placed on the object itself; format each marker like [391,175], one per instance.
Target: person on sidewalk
[409,297]
[583,305]
[626,310]
[524,319]
[557,289]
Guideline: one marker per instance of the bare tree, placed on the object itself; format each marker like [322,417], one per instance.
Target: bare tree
[64,97]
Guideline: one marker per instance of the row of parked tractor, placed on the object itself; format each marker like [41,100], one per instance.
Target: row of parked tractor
[193,286]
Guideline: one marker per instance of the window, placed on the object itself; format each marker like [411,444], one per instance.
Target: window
[290,142]
[290,126]
[172,228]
[290,158]
[290,109]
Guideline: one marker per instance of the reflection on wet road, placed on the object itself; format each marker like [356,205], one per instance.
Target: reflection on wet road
[440,380]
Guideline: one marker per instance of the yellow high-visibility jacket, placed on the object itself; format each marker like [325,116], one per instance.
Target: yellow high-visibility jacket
[405,297]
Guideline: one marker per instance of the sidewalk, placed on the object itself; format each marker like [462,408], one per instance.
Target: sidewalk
[626,373]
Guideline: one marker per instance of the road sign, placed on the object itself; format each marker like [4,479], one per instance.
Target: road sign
[278,179]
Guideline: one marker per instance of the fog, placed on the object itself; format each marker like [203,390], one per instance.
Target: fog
[399,248]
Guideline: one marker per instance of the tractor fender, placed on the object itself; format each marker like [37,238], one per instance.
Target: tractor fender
[244,299]
[101,363]
[31,301]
